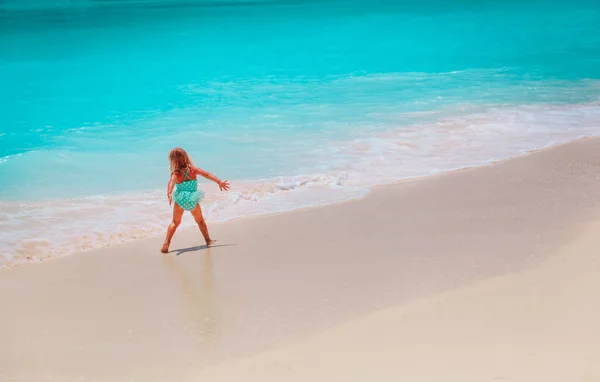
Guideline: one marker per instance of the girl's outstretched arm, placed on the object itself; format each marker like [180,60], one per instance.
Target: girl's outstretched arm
[223,184]
[170,187]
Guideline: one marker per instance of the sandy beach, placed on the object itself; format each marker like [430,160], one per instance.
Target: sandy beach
[539,325]
[482,274]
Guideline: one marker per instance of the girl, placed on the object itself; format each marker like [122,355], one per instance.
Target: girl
[187,196]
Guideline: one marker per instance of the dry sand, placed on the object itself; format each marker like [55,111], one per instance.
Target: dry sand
[481,274]
[540,325]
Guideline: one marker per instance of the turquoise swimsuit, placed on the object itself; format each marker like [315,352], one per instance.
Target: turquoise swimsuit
[186,194]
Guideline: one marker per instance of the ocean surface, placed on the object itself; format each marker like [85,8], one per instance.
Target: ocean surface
[297,103]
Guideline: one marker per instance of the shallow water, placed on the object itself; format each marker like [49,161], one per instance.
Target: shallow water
[297,103]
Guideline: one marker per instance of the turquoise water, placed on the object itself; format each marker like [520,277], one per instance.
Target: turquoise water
[296,102]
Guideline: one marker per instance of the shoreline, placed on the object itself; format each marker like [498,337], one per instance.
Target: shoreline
[278,279]
[187,226]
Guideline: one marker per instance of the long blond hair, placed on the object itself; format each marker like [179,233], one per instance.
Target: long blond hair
[180,160]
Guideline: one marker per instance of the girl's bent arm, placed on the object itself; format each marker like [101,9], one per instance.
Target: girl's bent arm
[170,187]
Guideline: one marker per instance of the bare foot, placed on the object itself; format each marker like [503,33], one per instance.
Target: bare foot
[210,243]
[165,248]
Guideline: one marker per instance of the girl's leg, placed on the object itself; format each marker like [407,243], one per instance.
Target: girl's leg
[177,214]
[197,214]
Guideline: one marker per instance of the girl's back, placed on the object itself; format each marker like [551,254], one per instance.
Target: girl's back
[185,174]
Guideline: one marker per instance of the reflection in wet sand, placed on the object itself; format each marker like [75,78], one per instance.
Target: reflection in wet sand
[199,296]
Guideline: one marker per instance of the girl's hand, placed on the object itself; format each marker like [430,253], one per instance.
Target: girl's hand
[223,185]
[170,199]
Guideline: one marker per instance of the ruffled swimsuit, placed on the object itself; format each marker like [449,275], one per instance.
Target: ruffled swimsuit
[186,194]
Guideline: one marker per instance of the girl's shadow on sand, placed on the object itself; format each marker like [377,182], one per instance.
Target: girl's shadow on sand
[181,251]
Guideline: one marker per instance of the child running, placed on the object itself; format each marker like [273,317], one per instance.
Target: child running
[187,196]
